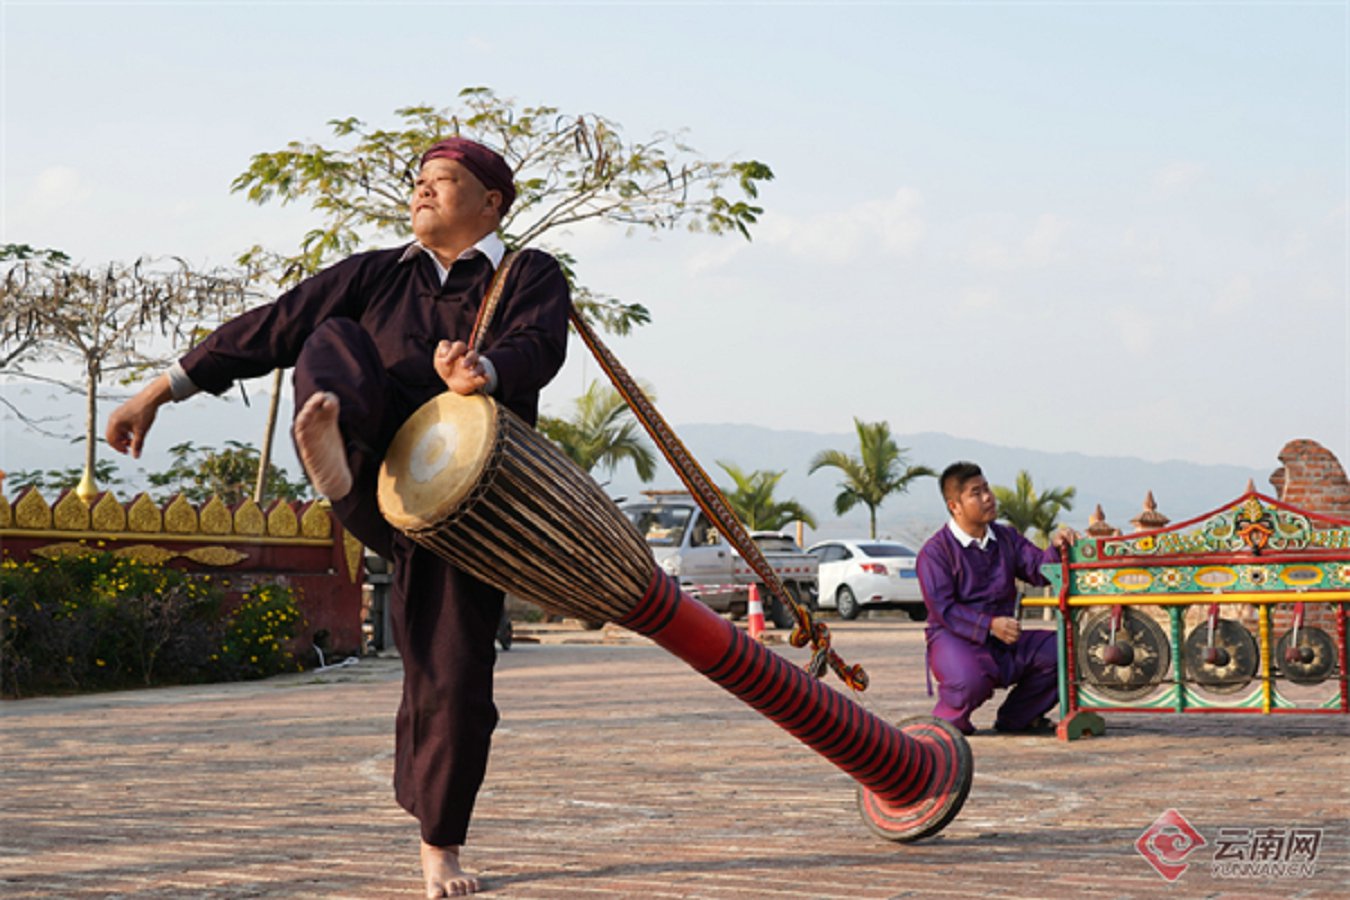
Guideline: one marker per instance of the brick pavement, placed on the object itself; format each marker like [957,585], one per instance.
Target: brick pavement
[618,772]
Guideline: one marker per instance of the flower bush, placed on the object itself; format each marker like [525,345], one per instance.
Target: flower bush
[95,621]
[258,633]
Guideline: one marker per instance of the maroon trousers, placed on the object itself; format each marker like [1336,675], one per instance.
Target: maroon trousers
[444,621]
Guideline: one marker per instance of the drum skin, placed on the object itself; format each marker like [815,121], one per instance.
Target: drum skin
[467,479]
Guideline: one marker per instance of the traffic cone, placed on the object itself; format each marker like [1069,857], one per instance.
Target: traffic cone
[755,614]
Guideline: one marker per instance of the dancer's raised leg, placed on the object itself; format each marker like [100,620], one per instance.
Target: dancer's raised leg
[319,440]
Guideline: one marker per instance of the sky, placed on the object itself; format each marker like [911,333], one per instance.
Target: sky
[1107,228]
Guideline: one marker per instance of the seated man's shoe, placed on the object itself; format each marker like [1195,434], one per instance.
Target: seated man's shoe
[1038,725]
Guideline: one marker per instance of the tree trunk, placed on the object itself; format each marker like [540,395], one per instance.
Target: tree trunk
[265,455]
[88,487]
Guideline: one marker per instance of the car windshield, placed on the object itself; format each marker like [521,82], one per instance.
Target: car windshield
[660,526]
[886,550]
[775,543]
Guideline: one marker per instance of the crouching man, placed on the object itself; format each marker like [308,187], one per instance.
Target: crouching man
[968,572]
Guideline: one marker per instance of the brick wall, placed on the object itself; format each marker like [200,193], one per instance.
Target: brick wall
[1311,479]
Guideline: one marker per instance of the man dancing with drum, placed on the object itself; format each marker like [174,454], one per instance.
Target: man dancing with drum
[373,338]
[968,572]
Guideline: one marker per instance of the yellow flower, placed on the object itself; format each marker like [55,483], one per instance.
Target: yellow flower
[99,663]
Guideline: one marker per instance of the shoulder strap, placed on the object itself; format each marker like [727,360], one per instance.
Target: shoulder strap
[489,304]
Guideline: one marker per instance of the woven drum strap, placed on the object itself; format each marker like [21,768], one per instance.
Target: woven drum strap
[489,305]
[714,505]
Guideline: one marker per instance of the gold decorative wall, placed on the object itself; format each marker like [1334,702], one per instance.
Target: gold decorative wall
[143,529]
[292,543]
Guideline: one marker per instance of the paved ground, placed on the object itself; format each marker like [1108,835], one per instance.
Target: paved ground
[618,772]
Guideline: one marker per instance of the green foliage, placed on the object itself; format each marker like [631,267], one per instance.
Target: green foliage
[878,471]
[258,633]
[753,502]
[230,474]
[1028,511]
[602,432]
[27,252]
[95,621]
[569,169]
[53,481]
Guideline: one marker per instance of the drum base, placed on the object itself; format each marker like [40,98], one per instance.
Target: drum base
[943,798]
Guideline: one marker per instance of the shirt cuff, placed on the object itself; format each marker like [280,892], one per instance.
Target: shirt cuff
[180,385]
[490,371]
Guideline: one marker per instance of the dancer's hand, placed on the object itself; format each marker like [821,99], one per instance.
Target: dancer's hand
[130,422]
[459,367]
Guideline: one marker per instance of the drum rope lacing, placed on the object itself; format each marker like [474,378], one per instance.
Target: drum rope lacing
[711,500]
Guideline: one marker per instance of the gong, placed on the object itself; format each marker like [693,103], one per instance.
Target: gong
[1313,659]
[1138,663]
[1226,667]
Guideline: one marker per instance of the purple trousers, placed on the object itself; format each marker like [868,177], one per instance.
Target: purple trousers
[967,675]
[444,621]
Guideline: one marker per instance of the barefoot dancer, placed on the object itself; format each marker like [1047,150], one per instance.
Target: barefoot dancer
[371,339]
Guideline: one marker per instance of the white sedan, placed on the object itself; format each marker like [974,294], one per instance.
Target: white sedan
[858,575]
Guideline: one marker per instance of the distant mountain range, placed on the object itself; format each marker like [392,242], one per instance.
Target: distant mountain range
[1119,484]
[1182,490]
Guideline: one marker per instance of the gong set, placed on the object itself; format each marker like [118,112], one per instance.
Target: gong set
[1242,610]
[1124,653]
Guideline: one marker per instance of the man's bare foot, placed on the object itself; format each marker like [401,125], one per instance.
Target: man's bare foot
[321,449]
[443,875]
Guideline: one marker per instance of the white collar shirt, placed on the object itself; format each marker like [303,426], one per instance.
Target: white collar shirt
[966,540]
[490,246]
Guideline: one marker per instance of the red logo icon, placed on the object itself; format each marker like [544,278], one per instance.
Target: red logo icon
[1166,844]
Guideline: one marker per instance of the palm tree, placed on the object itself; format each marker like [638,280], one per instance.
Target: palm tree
[877,472]
[1024,509]
[601,432]
[753,502]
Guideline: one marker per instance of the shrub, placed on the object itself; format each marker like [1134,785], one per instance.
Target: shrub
[259,631]
[95,621]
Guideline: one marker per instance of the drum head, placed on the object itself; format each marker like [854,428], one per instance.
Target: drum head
[436,459]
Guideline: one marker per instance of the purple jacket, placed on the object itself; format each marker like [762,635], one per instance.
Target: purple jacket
[965,587]
[407,312]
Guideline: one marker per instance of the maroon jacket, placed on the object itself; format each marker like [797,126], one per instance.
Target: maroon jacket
[407,313]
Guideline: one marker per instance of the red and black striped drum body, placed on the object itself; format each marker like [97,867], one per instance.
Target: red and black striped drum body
[912,779]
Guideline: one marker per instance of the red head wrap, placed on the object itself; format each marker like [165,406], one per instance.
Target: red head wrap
[486,165]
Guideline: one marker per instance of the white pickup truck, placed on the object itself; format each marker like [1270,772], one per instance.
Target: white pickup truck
[688,546]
